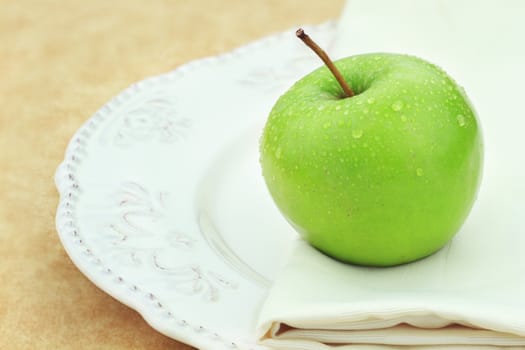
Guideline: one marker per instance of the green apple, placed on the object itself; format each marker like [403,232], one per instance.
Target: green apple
[381,178]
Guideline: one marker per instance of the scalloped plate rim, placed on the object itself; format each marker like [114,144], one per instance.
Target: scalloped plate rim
[67,186]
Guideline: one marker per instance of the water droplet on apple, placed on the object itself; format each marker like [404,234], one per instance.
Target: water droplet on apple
[419,172]
[327,125]
[397,106]
[371,100]
[278,152]
[461,119]
[404,118]
[338,107]
[357,133]
[320,108]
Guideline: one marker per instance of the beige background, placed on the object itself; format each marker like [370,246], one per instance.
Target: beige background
[59,62]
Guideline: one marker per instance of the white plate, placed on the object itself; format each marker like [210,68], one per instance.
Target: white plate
[162,204]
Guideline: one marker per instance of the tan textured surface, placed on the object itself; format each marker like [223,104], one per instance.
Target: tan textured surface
[59,62]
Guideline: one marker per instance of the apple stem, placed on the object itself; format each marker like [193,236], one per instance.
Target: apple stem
[323,56]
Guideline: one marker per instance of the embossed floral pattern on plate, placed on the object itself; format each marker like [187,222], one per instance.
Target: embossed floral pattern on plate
[129,214]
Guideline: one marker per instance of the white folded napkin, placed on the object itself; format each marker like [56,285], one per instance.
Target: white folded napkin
[471,294]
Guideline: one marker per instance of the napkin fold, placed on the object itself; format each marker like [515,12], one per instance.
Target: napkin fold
[471,294]
[318,303]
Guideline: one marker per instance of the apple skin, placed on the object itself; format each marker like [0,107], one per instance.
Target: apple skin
[382,178]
